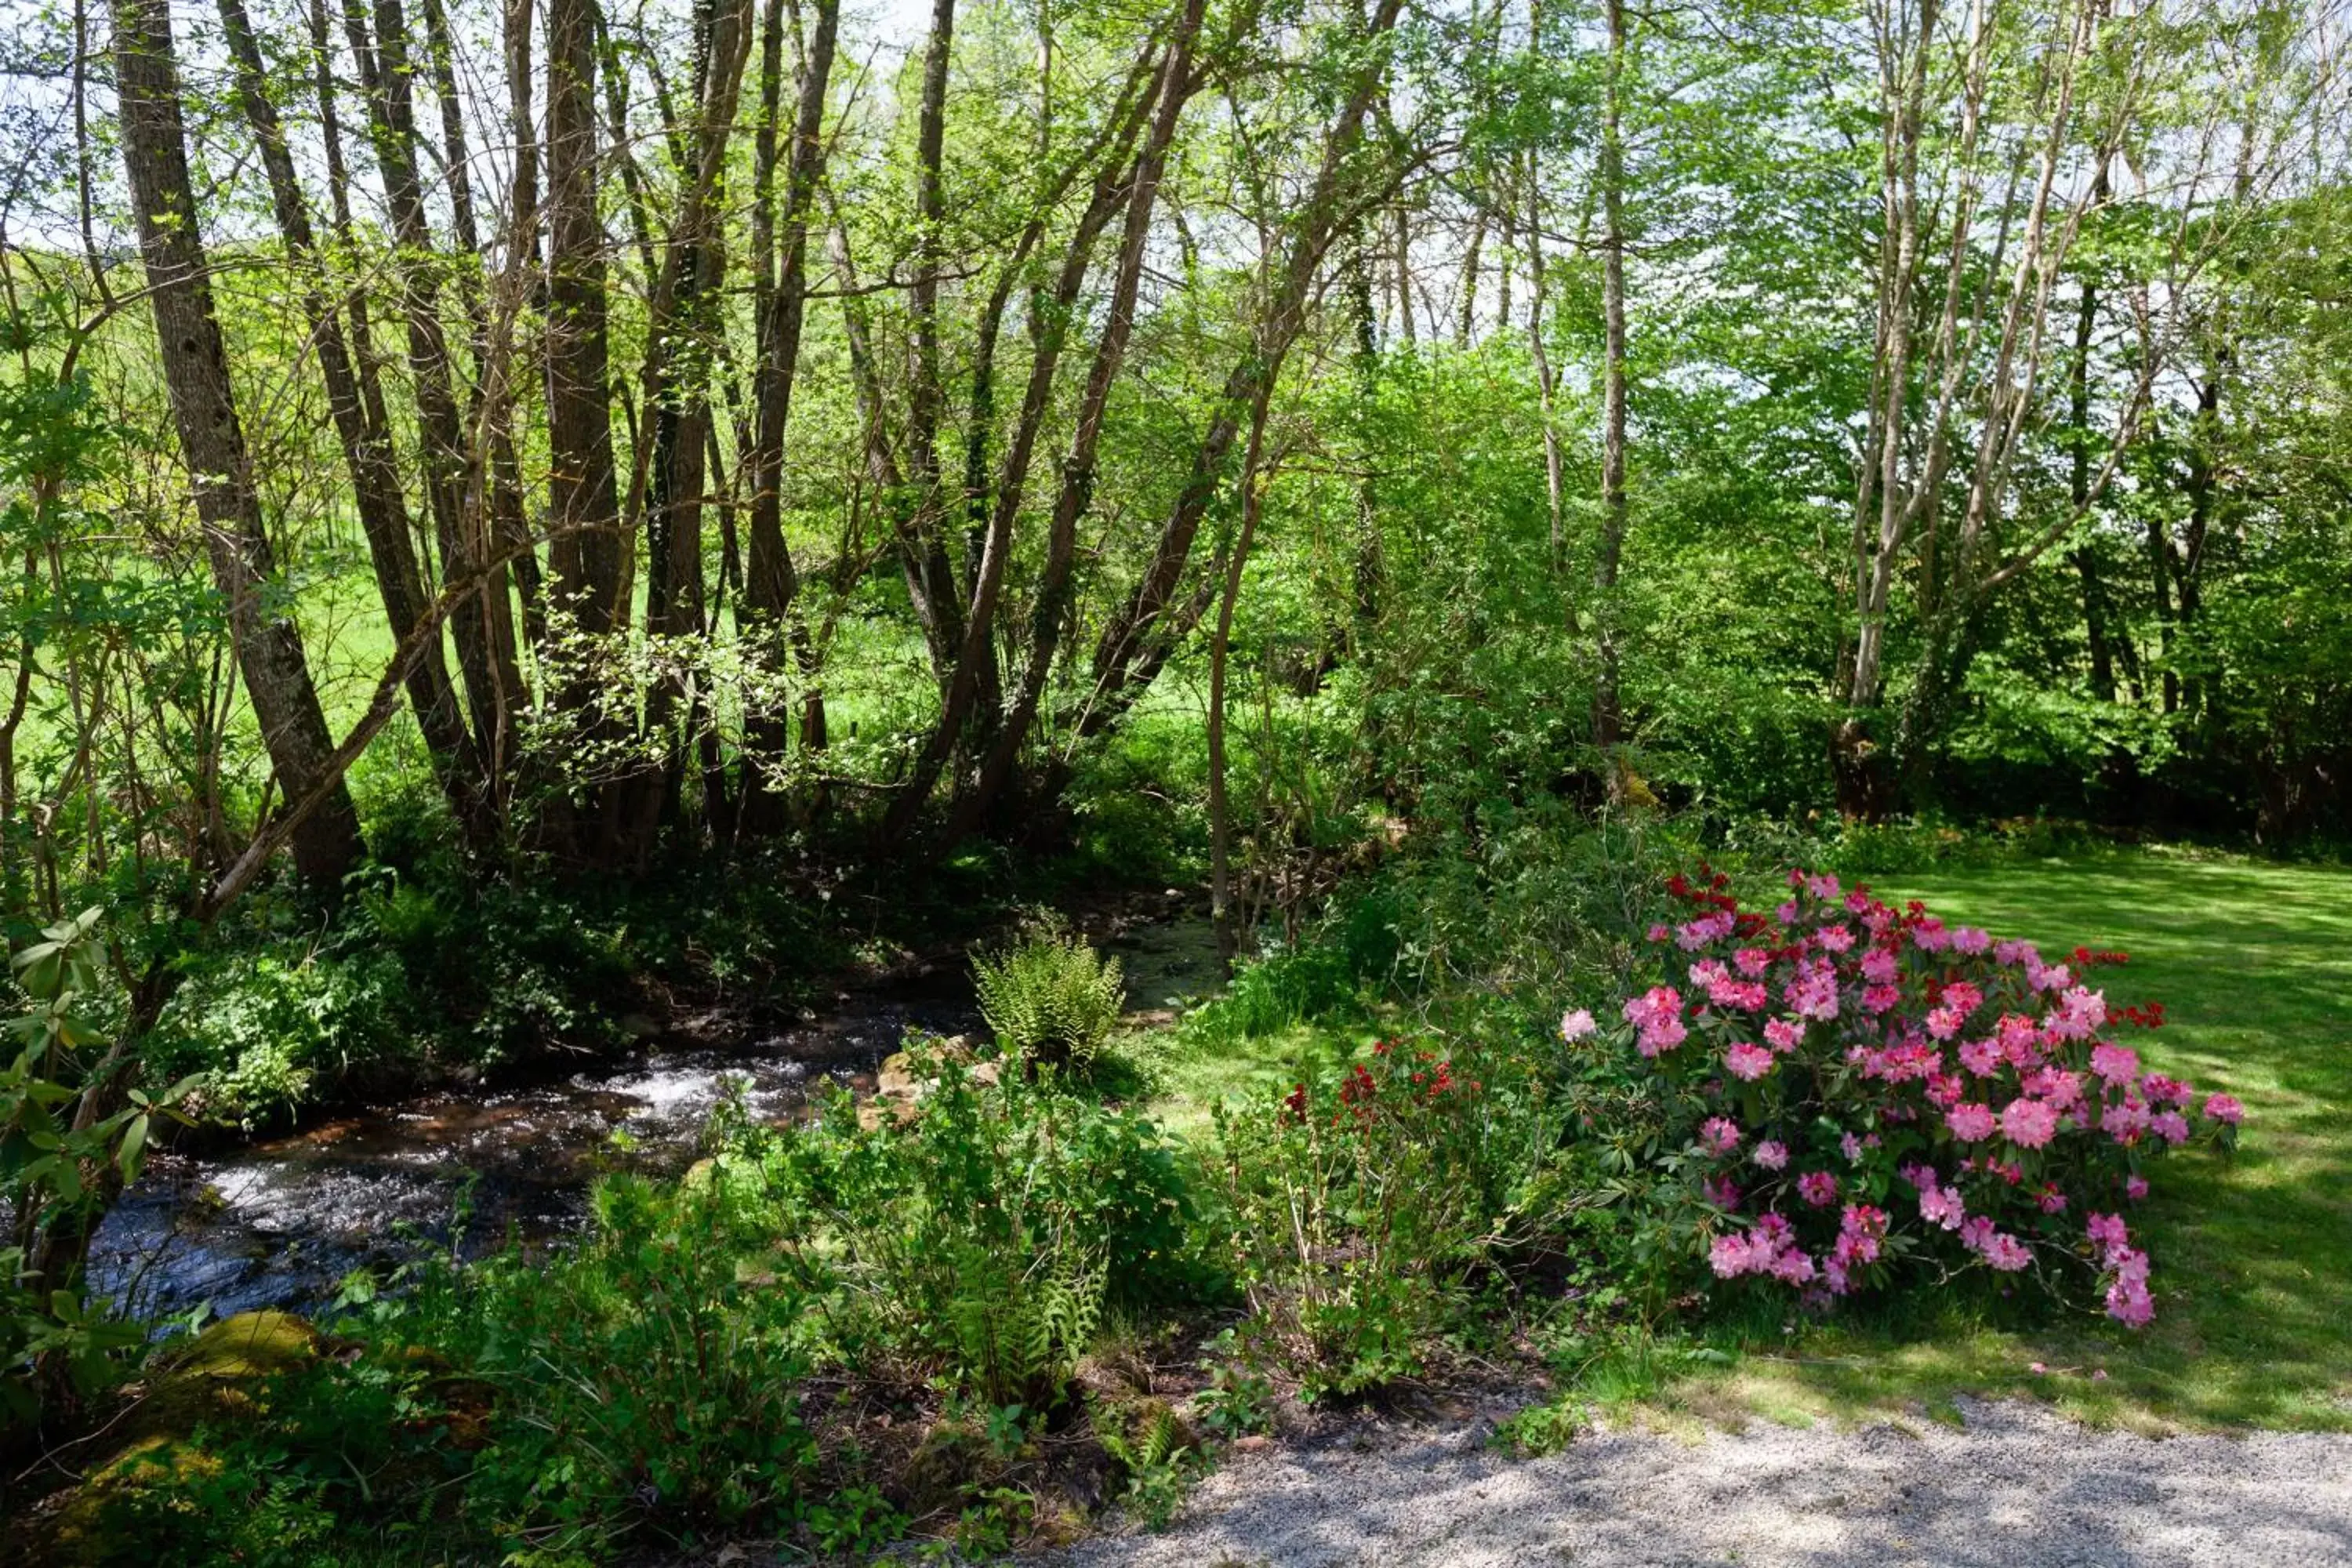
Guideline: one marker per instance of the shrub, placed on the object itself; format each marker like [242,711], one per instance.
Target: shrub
[982,1237]
[1049,996]
[1359,1208]
[1859,1095]
[71,1134]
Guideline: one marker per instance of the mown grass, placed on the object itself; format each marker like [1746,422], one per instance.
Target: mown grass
[2252,1253]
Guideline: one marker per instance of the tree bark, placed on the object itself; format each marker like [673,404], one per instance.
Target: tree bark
[196,374]
[931,572]
[780,294]
[1608,718]
[1076,491]
[1121,655]
[385,68]
[368,456]
[1221,916]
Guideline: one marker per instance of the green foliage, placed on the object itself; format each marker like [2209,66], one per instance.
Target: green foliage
[1239,1398]
[1358,1209]
[660,1372]
[70,1134]
[1158,1459]
[1049,996]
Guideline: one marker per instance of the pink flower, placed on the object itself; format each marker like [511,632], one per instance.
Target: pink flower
[2136,1187]
[1772,1154]
[1658,933]
[1657,1015]
[1860,1230]
[1970,1122]
[1654,1005]
[1748,995]
[1878,966]
[1818,1188]
[2126,1121]
[1718,1134]
[2012,952]
[1733,1255]
[1981,1058]
[1929,935]
[2056,1085]
[2080,1014]
[2116,1064]
[2053,1200]
[1835,939]
[2224,1108]
[1783,1035]
[1971,941]
[1697,933]
[2021,1040]
[1793,1266]
[2128,1301]
[1576,1025]
[1813,993]
[2109,1232]
[1787,911]
[1878,999]
[2130,1304]
[2006,1253]
[1850,1146]
[1976,1231]
[1822,886]
[1748,1062]
[1942,1205]
[1724,1193]
[2171,1126]
[2029,1123]
[1752,962]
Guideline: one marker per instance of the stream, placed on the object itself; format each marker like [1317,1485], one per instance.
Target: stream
[281,1222]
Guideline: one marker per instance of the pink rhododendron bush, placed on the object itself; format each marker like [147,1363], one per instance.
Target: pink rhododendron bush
[1875,1098]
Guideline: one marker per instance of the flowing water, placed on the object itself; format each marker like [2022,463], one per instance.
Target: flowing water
[279,1222]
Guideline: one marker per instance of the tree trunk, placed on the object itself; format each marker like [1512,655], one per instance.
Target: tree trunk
[1120,655]
[780,292]
[1221,914]
[586,549]
[386,69]
[683,328]
[1076,492]
[1608,718]
[368,456]
[196,374]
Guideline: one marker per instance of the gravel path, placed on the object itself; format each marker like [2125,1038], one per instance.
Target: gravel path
[2017,1486]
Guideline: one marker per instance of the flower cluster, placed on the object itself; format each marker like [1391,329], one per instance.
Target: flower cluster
[1932,1092]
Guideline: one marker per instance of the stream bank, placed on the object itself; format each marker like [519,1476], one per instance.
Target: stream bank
[279,1222]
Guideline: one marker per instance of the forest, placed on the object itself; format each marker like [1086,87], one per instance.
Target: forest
[540,536]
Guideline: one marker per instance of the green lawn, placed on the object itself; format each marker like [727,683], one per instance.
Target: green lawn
[2252,1254]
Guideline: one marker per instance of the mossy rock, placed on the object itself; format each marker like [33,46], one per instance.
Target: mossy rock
[251,1344]
[89,1528]
[203,1380]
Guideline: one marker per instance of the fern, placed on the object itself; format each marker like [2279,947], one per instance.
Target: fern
[1049,995]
